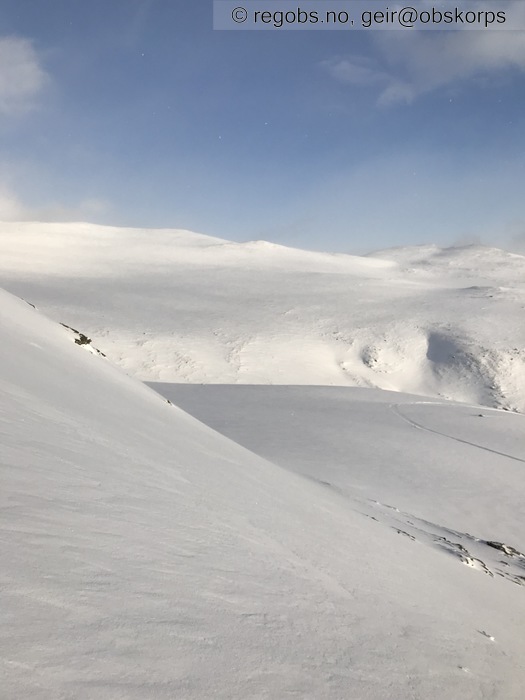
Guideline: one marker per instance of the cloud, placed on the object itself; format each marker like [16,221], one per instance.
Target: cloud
[412,63]
[355,71]
[22,78]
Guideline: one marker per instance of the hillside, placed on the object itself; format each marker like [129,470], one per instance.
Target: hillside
[175,306]
[146,556]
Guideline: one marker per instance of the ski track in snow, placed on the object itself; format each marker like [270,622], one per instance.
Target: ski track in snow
[397,410]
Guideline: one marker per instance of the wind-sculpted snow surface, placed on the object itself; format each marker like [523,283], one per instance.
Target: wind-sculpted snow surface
[146,556]
[175,306]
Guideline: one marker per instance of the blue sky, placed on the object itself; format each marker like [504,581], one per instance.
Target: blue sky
[137,113]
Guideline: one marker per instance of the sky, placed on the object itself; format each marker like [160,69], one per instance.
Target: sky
[139,113]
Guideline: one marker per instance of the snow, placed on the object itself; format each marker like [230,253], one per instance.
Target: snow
[426,457]
[283,541]
[174,306]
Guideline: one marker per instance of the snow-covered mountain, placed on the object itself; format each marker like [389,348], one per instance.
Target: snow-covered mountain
[376,554]
[175,306]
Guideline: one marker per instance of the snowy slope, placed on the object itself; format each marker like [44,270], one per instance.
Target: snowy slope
[180,307]
[454,466]
[449,476]
[146,556]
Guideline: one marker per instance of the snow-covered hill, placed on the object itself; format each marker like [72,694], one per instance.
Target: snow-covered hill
[175,306]
[145,556]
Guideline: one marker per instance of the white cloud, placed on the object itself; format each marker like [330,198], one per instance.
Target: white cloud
[412,63]
[395,92]
[355,71]
[363,72]
[22,78]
